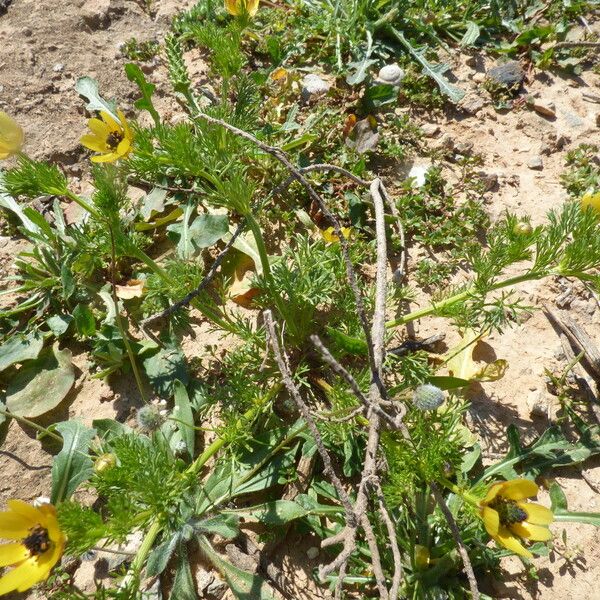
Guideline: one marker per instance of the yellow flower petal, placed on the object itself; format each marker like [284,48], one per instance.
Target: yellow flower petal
[11,136]
[519,489]
[112,124]
[591,200]
[54,532]
[239,7]
[33,570]
[99,128]
[125,125]
[124,147]
[32,514]
[112,157]
[494,490]
[532,532]
[536,513]
[508,540]
[94,143]
[491,520]
[11,554]
[13,526]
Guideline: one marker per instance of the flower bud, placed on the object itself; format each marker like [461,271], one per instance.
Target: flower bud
[105,462]
[428,397]
[522,228]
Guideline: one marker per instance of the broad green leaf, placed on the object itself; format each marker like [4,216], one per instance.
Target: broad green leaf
[277,512]
[20,348]
[109,428]
[589,518]
[185,249]
[135,74]
[41,384]
[471,35]
[225,525]
[85,323]
[58,324]
[208,229]
[38,220]
[161,555]
[445,382]
[361,68]
[72,465]
[164,368]
[183,585]
[88,88]
[153,203]
[11,204]
[246,245]
[185,417]
[436,72]
[346,343]
[558,498]
[461,364]
[172,216]
[244,586]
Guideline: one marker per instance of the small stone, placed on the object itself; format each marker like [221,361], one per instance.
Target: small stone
[598,120]
[546,109]
[430,129]
[313,85]
[419,174]
[508,74]
[489,180]
[446,142]
[312,553]
[216,589]
[391,75]
[464,148]
[478,77]
[472,104]
[536,163]
[58,68]
[95,14]
[537,404]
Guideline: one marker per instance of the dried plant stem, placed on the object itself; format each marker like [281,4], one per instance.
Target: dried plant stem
[439,498]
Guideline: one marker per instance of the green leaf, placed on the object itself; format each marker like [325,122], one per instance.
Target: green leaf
[436,72]
[161,555]
[346,343]
[183,412]
[108,429]
[72,465]
[172,216]
[164,368]
[41,384]
[225,525]
[361,67]
[208,229]
[85,323]
[153,203]
[185,249]
[183,585]
[20,348]
[276,512]
[88,88]
[557,497]
[471,35]
[379,95]
[11,204]
[244,586]
[135,74]
[58,324]
[445,382]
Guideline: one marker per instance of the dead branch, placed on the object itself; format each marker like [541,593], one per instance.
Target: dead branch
[439,498]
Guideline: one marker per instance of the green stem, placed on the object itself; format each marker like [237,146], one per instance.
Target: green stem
[124,333]
[470,498]
[25,421]
[147,543]
[85,205]
[433,308]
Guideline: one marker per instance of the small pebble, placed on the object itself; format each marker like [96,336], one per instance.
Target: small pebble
[313,85]
[391,75]
[536,163]
[312,552]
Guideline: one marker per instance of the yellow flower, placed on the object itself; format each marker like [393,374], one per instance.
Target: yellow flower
[39,547]
[591,200]
[331,238]
[112,139]
[506,517]
[237,8]
[11,136]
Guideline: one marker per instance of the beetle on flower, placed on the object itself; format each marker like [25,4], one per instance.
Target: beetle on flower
[113,140]
[507,517]
[38,544]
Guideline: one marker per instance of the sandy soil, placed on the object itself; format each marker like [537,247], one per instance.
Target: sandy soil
[45,47]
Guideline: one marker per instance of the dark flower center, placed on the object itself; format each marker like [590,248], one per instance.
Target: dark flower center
[114,139]
[38,541]
[509,511]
